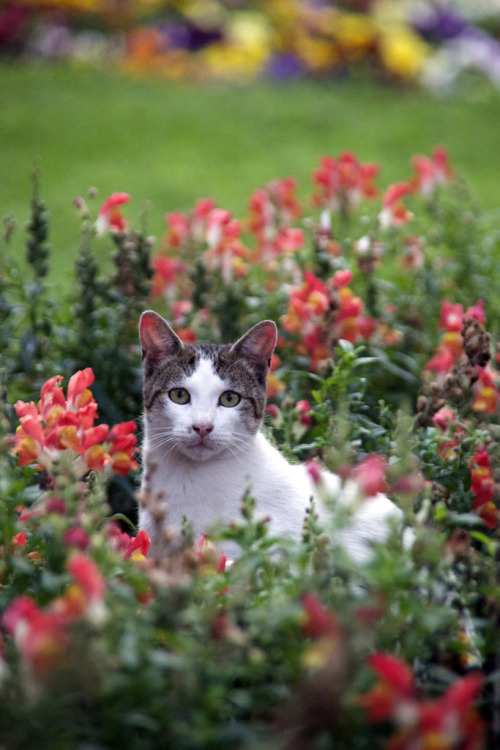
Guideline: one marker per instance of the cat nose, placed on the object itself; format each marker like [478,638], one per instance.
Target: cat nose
[203,429]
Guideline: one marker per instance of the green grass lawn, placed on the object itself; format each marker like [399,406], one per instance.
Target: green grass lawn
[170,145]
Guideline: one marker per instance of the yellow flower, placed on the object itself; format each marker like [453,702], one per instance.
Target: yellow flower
[403,53]
[356,34]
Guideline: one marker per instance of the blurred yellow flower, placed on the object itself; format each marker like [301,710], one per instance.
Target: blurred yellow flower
[402,52]
[356,34]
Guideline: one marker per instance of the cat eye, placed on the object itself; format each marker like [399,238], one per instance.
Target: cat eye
[179,396]
[229,398]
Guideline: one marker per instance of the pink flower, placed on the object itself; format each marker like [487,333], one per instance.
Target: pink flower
[394,213]
[39,635]
[272,210]
[370,475]
[110,217]
[76,537]
[431,172]
[303,409]
[342,278]
[342,183]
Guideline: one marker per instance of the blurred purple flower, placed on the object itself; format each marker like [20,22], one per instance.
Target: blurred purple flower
[440,25]
[284,67]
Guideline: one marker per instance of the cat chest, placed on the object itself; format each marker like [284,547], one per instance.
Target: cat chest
[199,492]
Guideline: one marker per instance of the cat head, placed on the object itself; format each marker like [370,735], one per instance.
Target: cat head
[202,400]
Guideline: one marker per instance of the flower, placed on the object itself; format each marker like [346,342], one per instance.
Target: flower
[39,635]
[486,393]
[369,475]
[85,597]
[272,210]
[319,622]
[208,560]
[483,487]
[58,423]
[448,722]
[138,547]
[110,217]
[303,410]
[166,274]
[225,249]
[430,172]
[342,183]
[394,213]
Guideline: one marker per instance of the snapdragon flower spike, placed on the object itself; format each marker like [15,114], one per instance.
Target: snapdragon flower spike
[273,208]
[58,423]
[486,392]
[448,722]
[342,183]
[225,248]
[38,634]
[430,172]
[109,218]
[483,487]
[394,212]
[450,349]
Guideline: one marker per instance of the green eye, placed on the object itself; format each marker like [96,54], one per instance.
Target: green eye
[179,396]
[229,398]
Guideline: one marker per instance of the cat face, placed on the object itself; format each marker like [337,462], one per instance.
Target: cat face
[203,400]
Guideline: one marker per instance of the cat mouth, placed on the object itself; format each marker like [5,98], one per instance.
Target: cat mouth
[201,449]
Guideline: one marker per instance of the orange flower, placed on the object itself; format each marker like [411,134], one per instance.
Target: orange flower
[394,213]
[342,183]
[110,217]
[60,423]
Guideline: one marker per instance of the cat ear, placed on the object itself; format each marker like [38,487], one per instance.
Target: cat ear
[157,338]
[258,343]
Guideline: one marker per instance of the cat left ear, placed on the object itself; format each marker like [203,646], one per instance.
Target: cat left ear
[157,338]
[259,342]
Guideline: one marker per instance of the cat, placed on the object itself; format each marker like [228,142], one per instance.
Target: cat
[204,405]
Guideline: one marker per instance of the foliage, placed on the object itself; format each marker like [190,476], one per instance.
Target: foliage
[384,371]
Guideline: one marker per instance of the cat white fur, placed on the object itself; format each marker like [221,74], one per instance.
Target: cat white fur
[199,461]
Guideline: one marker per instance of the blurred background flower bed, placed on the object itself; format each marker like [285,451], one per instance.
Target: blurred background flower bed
[419,41]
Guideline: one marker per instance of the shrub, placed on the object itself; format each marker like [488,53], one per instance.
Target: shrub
[384,371]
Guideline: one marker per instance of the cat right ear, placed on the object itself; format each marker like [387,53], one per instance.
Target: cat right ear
[157,338]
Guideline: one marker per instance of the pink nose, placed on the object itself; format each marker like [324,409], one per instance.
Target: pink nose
[203,429]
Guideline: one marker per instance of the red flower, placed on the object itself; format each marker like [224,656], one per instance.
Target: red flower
[483,487]
[431,172]
[319,622]
[138,546]
[370,475]
[303,409]
[60,423]
[76,537]
[394,213]
[272,210]
[486,393]
[342,183]
[110,217]
[39,635]
[447,723]
[209,560]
